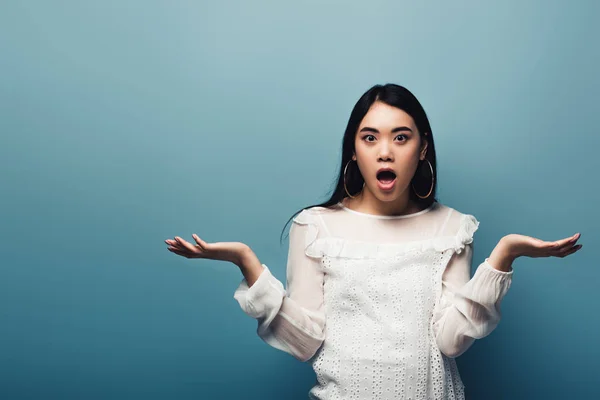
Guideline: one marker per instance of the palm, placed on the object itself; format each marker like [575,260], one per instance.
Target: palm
[224,251]
[521,245]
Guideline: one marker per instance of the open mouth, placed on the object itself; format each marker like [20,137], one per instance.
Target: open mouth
[386,177]
[386,180]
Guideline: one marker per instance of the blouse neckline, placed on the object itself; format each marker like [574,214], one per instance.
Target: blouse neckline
[388,216]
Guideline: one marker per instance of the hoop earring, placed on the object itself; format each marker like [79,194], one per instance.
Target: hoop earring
[344,179]
[432,182]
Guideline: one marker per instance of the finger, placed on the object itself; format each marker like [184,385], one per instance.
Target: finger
[176,249]
[566,251]
[560,251]
[200,242]
[562,245]
[186,253]
[185,244]
[175,244]
[568,241]
[573,239]
[571,250]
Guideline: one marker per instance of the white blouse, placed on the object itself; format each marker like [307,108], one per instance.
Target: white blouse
[379,305]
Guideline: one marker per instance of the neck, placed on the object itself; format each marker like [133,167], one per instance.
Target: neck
[367,202]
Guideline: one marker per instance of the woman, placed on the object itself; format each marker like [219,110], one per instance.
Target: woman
[379,297]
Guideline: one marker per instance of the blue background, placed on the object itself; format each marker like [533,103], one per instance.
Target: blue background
[124,123]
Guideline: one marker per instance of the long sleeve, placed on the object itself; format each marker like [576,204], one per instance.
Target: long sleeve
[468,309]
[291,320]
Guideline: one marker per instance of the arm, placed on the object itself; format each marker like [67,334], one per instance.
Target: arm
[291,320]
[469,309]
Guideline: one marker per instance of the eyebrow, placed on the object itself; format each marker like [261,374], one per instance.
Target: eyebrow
[397,129]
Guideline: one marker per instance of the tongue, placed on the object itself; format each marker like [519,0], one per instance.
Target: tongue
[386,177]
[386,180]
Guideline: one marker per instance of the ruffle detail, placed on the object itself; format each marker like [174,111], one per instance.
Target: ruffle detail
[356,249]
[311,248]
[468,227]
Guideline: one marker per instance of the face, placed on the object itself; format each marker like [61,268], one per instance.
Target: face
[387,137]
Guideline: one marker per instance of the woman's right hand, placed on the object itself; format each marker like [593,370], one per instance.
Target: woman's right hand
[223,251]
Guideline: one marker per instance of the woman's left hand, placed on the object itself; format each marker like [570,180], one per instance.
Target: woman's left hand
[521,245]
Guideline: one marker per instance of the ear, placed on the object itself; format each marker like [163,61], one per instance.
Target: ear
[424,147]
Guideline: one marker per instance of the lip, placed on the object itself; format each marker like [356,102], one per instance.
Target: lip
[386,187]
[386,169]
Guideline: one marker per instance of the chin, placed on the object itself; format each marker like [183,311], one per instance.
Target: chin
[390,196]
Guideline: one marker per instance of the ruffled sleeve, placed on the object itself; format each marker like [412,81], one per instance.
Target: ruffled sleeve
[310,226]
[291,319]
[468,226]
[468,308]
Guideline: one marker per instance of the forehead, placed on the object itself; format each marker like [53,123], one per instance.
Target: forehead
[384,116]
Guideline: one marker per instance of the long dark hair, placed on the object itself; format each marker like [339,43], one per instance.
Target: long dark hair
[395,96]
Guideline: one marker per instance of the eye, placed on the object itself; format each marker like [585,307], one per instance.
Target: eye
[367,136]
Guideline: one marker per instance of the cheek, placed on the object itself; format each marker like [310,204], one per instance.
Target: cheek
[410,164]
[409,158]
[368,171]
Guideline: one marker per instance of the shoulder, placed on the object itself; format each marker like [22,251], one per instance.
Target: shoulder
[312,214]
[456,221]
[457,229]
[451,211]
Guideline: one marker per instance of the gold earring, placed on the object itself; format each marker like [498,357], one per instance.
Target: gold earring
[344,179]
[432,182]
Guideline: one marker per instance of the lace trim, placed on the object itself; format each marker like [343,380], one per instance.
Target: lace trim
[347,248]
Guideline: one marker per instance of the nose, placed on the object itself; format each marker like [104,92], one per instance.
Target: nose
[385,151]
